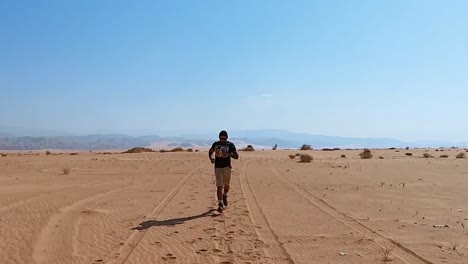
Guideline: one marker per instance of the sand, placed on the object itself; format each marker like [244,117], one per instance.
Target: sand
[159,208]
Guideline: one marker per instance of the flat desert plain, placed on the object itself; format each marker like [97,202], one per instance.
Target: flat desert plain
[160,208]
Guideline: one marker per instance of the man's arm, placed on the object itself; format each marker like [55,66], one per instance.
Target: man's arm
[210,154]
[234,153]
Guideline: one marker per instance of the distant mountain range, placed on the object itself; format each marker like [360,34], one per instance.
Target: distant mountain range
[259,138]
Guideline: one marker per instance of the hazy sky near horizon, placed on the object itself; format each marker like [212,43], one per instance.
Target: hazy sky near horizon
[349,68]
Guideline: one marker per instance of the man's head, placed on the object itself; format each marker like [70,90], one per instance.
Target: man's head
[223,136]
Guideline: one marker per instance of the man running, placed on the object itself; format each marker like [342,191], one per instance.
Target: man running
[223,150]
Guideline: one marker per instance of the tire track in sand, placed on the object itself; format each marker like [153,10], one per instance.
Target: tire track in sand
[275,250]
[126,250]
[40,247]
[50,192]
[401,252]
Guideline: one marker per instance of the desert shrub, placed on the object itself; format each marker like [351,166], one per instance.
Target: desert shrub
[427,155]
[444,156]
[138,150]
[4,155]
[189,150]
[163,151]
[248,148]
[409,154]
[366,154]
[381,157]
[48,153]
[305,158]
[72,154]
[460,155]
[297,155]
[343,156]
[306,147]
[66,171]
[178,149]
[292,156]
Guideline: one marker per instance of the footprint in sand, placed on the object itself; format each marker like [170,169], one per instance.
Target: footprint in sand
[202,251]
[169,256]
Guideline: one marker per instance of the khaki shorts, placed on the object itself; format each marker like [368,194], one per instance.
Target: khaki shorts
[223,176]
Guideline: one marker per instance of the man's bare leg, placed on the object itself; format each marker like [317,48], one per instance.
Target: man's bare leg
[220,193]
[226,190]
[220,199]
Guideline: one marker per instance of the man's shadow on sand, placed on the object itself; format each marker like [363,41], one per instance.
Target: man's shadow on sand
[172,222]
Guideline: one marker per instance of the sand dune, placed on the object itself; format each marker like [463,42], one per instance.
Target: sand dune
[159,208]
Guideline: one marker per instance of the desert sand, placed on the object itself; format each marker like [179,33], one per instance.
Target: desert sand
[160,208]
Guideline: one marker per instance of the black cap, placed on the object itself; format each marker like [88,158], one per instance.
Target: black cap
[223,134]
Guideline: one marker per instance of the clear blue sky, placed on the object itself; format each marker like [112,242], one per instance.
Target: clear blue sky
[353,68]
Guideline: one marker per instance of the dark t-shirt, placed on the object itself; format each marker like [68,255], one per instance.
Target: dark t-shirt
[223,152]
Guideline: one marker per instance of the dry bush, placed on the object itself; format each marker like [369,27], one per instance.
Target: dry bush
[397,151]
[366,154]
[189,150]
[327,149]
[163,150]
[178,149]
[409,154]
[196,150]
[248,148]
[305,158]
[292,156]
[306,147]
[72,154]
[381,157]
[444,156]
[66,171]
[461,155]
[48,153]
[138,150]
[297,155]
[454,245]
[4,155]
[343,156]
[386,252]
[427,155]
